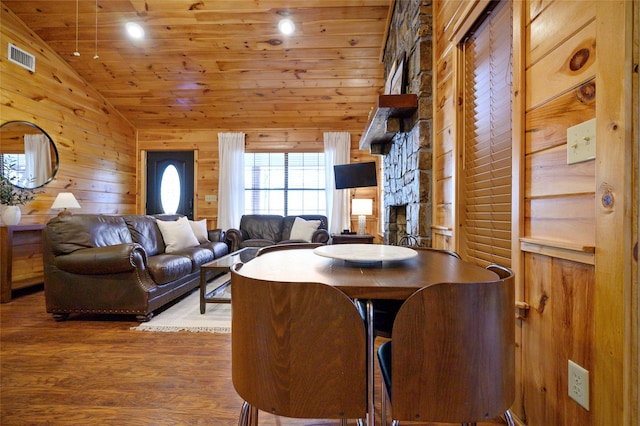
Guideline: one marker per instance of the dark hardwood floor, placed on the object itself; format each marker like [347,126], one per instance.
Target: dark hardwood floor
[96,371]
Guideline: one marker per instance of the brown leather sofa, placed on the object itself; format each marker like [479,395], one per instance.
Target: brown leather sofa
[261,230]
[103,264]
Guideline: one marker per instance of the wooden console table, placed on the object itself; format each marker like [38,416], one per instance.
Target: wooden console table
[20,258]
[352,239]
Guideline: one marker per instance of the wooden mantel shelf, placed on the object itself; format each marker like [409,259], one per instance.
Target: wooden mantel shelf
[378,131]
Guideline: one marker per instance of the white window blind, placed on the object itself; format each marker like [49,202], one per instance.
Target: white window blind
[486,175]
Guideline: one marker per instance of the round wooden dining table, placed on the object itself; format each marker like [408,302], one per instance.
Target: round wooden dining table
[366,279]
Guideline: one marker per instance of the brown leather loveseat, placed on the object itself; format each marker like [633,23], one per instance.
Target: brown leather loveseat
[120,264]
[261,230]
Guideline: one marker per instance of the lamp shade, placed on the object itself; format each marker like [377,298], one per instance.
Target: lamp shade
[361,206]
[64,201]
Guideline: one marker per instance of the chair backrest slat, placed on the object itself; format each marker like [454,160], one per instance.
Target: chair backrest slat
[454,352]
[298,349]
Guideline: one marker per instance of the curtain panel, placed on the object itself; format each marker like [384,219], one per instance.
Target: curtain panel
[231,180]
[337,150]
[37,160]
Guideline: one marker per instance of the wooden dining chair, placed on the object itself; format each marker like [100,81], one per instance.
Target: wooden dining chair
[385,310]
[297,350]
[451,357]
[287,246]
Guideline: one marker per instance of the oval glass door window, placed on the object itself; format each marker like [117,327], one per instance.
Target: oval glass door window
[170,190]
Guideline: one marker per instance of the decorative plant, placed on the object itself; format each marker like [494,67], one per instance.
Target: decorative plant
[11,195]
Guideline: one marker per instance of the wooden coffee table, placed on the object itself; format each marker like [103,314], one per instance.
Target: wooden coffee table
[217,267]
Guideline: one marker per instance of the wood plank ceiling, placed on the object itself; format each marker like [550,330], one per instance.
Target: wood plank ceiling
[223,63]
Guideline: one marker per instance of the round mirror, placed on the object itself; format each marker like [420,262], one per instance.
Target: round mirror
[27,154]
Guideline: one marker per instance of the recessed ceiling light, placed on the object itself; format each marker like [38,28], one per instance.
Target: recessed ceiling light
[135,30]
[286,26]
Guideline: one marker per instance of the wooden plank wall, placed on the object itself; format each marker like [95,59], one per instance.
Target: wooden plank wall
[616,376]
[558,235]
[446,100]
[96,145]
[559,208]
[205,144]
[443,148]
[559,198]
[572,63]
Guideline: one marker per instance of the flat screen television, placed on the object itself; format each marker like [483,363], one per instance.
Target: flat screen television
[355,175]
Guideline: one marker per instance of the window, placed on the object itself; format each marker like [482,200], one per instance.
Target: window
[16,168]
[284,183]
[170,190]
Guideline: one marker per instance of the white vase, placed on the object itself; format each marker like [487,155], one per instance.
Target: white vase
[11,215]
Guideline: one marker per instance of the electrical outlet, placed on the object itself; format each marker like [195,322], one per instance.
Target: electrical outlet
[579,384]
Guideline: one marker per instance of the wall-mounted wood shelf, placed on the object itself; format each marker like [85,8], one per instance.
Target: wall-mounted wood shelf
[384,122]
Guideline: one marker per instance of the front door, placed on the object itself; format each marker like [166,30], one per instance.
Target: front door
[170,183]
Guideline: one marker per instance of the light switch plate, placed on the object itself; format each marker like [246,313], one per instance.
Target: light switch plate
[581,142]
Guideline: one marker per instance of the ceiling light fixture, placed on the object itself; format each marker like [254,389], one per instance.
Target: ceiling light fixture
[135,30]
[95,56]
[286,26]
[76,53]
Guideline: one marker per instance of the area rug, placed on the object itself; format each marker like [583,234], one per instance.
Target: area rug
[185,314]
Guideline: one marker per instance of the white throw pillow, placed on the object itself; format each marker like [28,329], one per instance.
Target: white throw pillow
[177,234]
[199,229]
[303,229]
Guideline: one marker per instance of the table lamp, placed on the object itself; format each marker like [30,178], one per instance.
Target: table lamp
[361,207]
[64,201]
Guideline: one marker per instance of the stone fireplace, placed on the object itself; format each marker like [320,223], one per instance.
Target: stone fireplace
[408,159]
[397,224]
